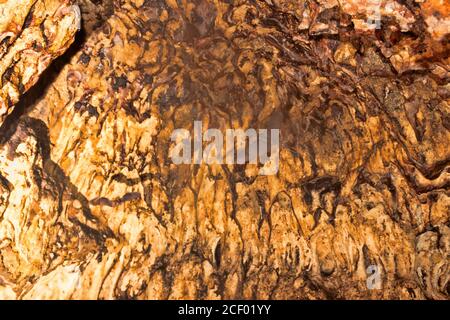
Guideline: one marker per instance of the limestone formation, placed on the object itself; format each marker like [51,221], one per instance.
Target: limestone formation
[92,207]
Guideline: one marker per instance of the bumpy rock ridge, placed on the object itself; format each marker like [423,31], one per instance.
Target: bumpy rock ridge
[32,34]
[92,207]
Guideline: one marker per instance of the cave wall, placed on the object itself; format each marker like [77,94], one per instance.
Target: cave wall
[92,207]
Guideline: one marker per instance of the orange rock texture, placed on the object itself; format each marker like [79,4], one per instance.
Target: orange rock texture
[32,34]
[93,207]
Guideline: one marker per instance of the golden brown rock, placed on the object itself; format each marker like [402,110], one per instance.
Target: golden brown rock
[32,34]
[92,206]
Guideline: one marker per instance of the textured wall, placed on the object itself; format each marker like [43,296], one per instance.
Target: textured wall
[92,207]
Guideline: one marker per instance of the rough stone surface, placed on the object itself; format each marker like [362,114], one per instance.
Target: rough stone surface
[32,34]
[92,207]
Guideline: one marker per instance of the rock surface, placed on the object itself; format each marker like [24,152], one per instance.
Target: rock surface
[92,207]
[32,34]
